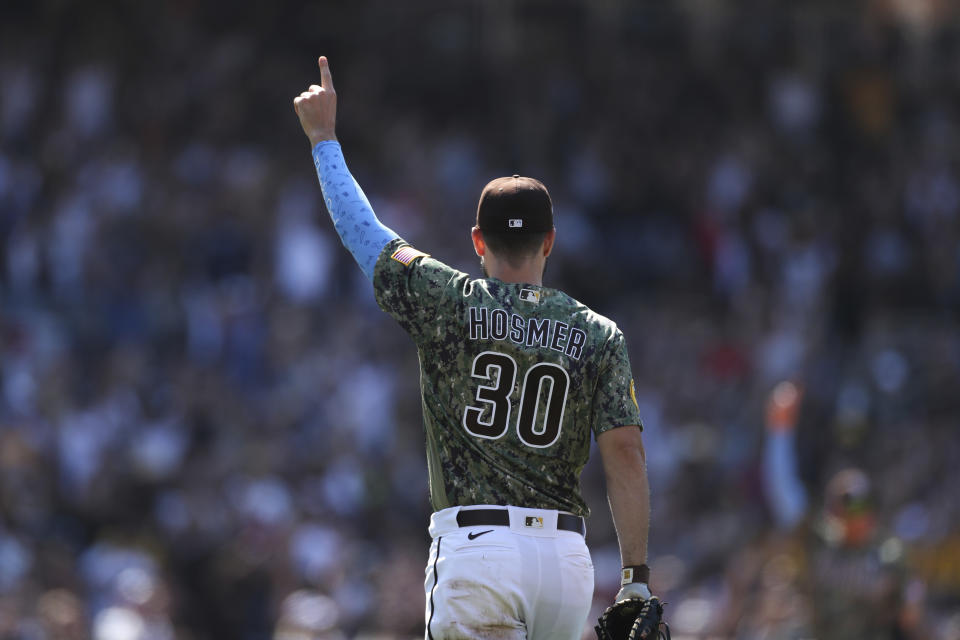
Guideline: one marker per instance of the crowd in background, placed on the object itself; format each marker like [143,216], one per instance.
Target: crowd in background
[208,430]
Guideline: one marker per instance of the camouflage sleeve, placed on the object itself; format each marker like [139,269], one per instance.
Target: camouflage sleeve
[615,401]
[413,287]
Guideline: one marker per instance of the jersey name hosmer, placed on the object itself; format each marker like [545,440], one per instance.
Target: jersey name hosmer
[497,324]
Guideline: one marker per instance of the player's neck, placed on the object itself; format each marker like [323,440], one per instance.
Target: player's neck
[529,273]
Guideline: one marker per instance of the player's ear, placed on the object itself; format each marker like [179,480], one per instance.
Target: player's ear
[478,244]
[548,242]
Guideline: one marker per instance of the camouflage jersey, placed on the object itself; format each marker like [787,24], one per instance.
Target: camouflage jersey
[513,379]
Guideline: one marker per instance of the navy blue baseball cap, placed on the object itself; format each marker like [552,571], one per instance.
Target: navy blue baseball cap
[515,205]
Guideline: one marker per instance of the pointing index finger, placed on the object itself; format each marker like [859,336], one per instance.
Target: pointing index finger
[326,80]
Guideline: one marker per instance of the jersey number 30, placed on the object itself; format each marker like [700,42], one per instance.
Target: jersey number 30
[533,430]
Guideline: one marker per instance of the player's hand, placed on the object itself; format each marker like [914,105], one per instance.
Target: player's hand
[633,590]
[317,107]
[783,407]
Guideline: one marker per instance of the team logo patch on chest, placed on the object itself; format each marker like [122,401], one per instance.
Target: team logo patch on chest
[533,522]
[406,255]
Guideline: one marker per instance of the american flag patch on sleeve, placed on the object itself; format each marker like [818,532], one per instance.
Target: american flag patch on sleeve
[406,255]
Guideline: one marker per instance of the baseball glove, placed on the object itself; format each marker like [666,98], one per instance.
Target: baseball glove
[633,619]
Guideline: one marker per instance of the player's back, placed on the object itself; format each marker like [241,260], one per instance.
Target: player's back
[515,378]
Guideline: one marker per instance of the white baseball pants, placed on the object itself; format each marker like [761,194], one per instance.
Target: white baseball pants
[527,580]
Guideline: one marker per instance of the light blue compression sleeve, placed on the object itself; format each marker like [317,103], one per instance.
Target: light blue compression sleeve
[784,488]
[352,215]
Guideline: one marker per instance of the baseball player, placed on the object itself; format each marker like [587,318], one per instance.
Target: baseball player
[515,379]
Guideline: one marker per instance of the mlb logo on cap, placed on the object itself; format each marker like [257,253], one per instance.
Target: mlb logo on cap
[515,223]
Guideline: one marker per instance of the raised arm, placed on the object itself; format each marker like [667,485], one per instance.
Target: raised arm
[783,486]
[353,217]
[624,464]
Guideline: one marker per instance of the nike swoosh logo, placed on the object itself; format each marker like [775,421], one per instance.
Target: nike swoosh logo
[477,535]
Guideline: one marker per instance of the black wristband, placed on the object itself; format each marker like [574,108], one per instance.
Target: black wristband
[635,573]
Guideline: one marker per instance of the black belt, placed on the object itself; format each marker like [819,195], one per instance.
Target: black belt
[501,517]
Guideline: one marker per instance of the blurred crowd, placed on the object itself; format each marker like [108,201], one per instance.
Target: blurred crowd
[208,430]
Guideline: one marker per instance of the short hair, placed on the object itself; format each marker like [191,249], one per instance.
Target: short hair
[515,248]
